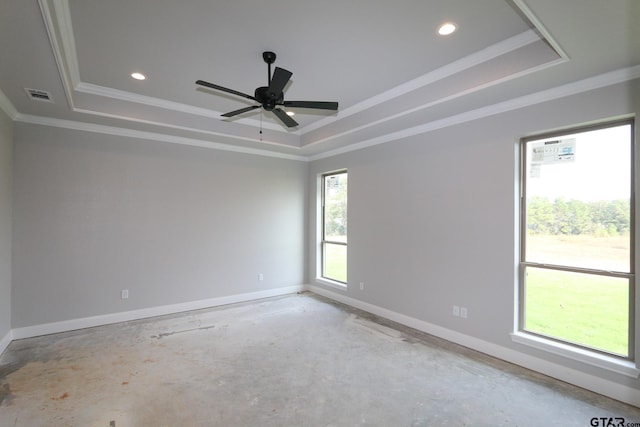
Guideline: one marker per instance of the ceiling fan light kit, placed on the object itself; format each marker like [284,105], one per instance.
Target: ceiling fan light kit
[271,97]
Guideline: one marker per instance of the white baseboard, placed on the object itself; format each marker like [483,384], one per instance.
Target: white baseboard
[5,341]
[587,381]
[106,319]
[590,382]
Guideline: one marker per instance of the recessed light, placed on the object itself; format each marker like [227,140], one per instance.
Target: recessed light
[446,28]
[290,113]
[138,76]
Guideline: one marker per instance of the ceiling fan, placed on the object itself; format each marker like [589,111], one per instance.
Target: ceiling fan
[270,97]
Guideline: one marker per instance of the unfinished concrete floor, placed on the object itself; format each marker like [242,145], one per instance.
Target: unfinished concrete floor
[297,360]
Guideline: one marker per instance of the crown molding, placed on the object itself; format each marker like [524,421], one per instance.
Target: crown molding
[536,23]
[573,88]
[491,52]
[440,100]
[151,136]
[165,125]
[122,95]
[537,33]
[7,106]
[57,18]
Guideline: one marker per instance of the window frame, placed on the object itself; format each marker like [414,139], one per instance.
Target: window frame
[323,240]
[523,264]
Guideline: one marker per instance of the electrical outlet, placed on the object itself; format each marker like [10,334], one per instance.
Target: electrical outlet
[456,310]
[362,286]
[463,312]
[261,277]
[124,294]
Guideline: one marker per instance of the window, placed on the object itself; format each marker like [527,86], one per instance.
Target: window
[576,259]
[334,227]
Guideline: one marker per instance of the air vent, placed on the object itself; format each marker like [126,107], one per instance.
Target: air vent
[39,95]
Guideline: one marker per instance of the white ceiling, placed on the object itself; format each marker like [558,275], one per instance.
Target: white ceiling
[382,61]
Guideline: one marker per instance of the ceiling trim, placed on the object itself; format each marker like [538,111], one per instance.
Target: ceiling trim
[152,136]
[259,140]
[440,101]
[64,51]
[122,95]
[596,82]
[536,23]
[491,52]
[7,106]
[57,17]
[573,88]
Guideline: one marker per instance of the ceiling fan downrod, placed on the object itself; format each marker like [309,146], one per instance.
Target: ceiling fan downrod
[269,58]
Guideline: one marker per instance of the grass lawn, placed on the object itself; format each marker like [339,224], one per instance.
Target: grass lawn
[585,309]
[335,267]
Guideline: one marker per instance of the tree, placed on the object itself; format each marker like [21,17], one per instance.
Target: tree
[576,217]
[335,211]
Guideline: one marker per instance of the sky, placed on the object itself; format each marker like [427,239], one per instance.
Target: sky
[600,168]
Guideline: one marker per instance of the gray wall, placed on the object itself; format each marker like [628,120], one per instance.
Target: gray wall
[6,161]
[94,214]
[433,219]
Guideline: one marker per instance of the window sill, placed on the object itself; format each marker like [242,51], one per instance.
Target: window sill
[610,363]
[331,283]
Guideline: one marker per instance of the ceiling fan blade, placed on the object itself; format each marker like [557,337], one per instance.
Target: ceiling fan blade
[284,118]
[240,111]
[224,89]
[320,105]
[278,81]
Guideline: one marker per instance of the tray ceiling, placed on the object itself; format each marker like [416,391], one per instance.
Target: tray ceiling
[384,62]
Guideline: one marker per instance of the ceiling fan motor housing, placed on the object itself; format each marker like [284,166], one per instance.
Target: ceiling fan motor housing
[269,100]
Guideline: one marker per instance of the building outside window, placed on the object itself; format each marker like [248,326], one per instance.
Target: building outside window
[577,280]
[334,227]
